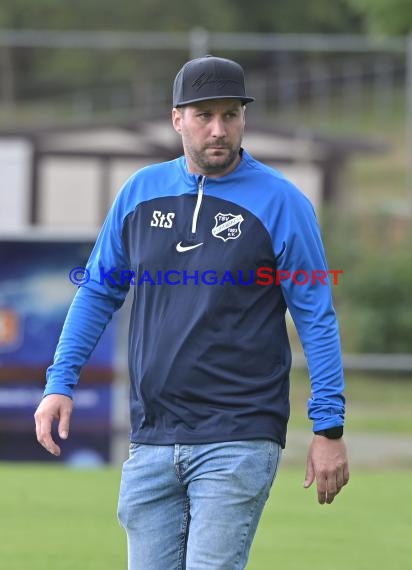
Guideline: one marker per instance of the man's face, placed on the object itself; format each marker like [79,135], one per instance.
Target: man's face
[212,133]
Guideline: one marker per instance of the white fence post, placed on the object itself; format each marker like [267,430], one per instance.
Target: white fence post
[198,43]
[408,92]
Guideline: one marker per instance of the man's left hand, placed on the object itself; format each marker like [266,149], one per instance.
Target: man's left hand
[328,464]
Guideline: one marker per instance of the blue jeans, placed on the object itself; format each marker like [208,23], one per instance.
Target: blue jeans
[195,507]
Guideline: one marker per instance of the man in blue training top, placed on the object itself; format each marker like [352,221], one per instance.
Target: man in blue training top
[209,355]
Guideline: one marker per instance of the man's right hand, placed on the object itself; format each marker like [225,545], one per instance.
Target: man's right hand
[53,407]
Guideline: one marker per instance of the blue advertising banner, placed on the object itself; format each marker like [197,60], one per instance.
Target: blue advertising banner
[35,294]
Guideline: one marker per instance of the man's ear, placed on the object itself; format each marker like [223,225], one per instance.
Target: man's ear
[177,120]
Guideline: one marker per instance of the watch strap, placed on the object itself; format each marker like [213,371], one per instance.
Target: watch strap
[331,433]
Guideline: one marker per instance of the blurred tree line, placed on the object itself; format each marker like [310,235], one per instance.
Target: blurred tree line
[27,73]
[277,16]
[317,16]
[385,16]
[373,294]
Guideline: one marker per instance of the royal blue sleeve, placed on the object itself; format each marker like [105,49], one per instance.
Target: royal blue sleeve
[299,247]
[85,322]
[95,301]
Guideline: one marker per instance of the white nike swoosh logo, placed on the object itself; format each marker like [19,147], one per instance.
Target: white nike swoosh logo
[181,248]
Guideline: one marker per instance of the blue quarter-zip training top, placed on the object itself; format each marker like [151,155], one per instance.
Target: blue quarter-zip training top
[209,355]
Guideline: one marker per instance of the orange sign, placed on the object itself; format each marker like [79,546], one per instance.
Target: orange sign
[9,327]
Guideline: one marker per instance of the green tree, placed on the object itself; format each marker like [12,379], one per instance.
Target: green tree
[385,16]
[59,70]
[373,294]
[127,15]
[295,16]
[292,16]
[379,293]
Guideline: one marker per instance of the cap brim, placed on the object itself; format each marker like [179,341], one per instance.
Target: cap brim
[244,100]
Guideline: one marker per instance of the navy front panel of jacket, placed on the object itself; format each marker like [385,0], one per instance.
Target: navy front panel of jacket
[209,356]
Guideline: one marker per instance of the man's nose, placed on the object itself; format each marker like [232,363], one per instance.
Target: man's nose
[218,128]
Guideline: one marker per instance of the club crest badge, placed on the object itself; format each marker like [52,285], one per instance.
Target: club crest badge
[227,226]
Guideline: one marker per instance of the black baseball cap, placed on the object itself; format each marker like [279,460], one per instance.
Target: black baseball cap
[209,77]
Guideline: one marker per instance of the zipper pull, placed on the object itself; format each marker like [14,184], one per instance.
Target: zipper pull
[200,187]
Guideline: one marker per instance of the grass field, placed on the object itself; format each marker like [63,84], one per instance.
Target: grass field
[63,519]
[53,517]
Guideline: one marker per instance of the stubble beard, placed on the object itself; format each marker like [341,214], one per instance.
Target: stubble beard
[213,165]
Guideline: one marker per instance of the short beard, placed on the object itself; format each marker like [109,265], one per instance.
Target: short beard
[208,167]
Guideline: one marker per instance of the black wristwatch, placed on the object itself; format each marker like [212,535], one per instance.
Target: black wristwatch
[331,433]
